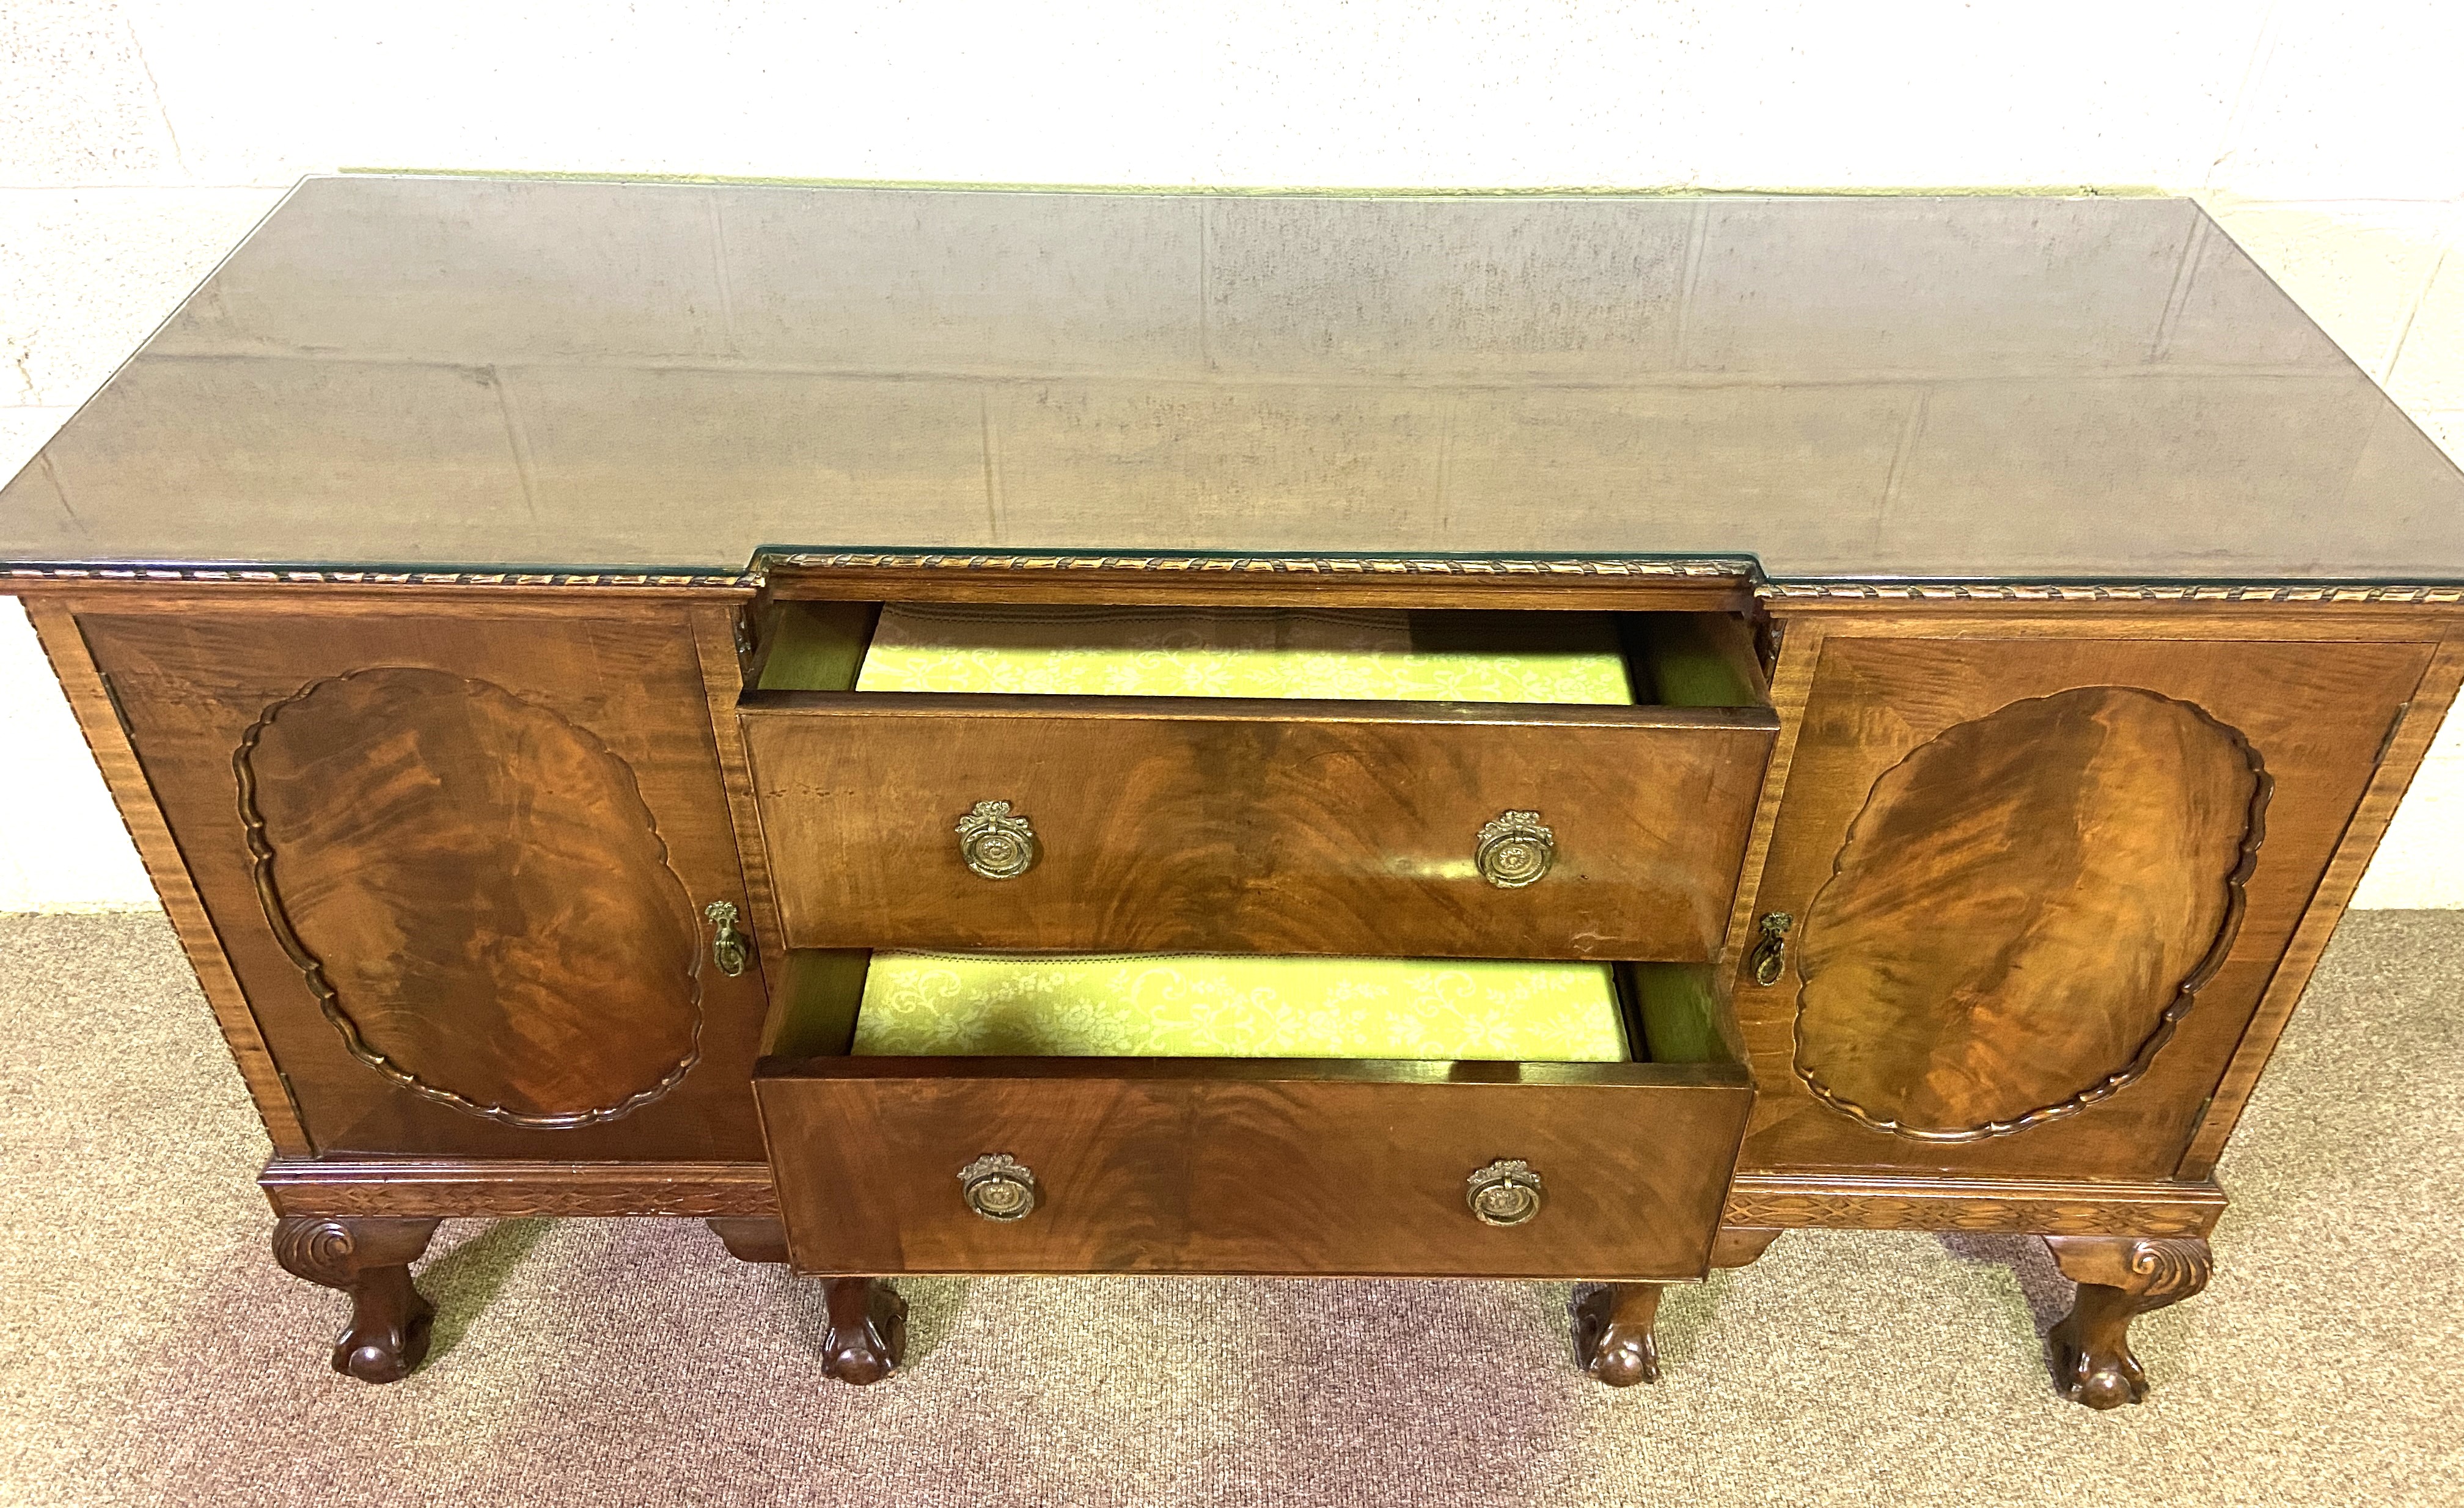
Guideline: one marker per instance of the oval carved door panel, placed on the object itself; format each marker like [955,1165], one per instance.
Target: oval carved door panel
[477,893]
[2024,907]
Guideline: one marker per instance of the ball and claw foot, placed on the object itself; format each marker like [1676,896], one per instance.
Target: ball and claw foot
[867,1330]
[385,1351]
[867,1335]
[2119,1278]
[1613,1338]
[369,1259]
[2092,1360]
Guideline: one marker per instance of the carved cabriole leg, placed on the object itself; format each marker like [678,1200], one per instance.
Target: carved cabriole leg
[369,1259]
[1613,1336]
[868,1319]
[2120,1279]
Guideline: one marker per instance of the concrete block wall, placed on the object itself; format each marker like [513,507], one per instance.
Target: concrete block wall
[139,138]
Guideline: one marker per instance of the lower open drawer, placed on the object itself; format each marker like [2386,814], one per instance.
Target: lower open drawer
[1335,1167]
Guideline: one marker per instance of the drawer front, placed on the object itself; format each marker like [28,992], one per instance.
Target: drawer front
[1216,1165]
[1254,827]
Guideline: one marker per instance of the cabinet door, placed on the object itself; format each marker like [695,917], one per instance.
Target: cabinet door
[457,853]
[2039,884]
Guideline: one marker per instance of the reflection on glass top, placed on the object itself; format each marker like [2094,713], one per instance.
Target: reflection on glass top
[493,372]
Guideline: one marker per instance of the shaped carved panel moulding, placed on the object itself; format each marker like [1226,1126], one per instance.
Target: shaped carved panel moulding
[476,894]
[2023,910]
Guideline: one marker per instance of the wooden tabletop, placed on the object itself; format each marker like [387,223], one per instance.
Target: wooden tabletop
[484,372]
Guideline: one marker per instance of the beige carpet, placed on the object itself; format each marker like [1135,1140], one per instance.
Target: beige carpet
[150,1351]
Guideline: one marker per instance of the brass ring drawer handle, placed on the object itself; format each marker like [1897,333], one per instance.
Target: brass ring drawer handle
[996,844]
[1505,1192]
[997,1187]
[1513,850]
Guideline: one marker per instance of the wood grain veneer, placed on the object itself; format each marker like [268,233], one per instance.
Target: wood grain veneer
[2024,909]
[2407,743]
[1244,1165]
[429,847]
[625,678]
[1221,825]
[2318,712]
[98,719]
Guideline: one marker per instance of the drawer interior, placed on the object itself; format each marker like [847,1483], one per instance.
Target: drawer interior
[1660,659]
[849,1002]
[1183,1005]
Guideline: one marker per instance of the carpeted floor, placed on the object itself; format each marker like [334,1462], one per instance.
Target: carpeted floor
[150,1351]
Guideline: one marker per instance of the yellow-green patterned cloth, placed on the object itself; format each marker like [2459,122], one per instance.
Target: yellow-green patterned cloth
[1262,653]
[1187,1005]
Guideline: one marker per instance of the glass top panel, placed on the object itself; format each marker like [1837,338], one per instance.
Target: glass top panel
[484,372]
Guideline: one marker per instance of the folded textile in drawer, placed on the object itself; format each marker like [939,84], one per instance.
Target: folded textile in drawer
[1184,1005]
[1260,652]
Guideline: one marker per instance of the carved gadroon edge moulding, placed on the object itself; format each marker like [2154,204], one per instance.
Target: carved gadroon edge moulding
[284,576]
[2101,592]
[1263,564]
[1698,568]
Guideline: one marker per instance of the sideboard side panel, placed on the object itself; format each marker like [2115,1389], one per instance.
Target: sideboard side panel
[2404,751]
[54,623]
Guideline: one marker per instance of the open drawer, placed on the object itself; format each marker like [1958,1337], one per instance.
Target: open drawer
[1262,823]
[1322,1166]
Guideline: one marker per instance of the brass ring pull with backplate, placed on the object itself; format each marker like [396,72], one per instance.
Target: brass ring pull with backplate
[1507,1192]
[997,1187]
[1513,850]
[994,844]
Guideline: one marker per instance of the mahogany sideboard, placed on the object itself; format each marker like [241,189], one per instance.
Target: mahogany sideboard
[2034,619]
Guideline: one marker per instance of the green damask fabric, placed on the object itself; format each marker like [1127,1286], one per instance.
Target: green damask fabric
[1186,1005]
[1262,653]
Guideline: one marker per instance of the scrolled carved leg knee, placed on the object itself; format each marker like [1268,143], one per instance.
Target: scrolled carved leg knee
[1613,1338]
[370,1260]
[867,1337]
[2120,1279]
